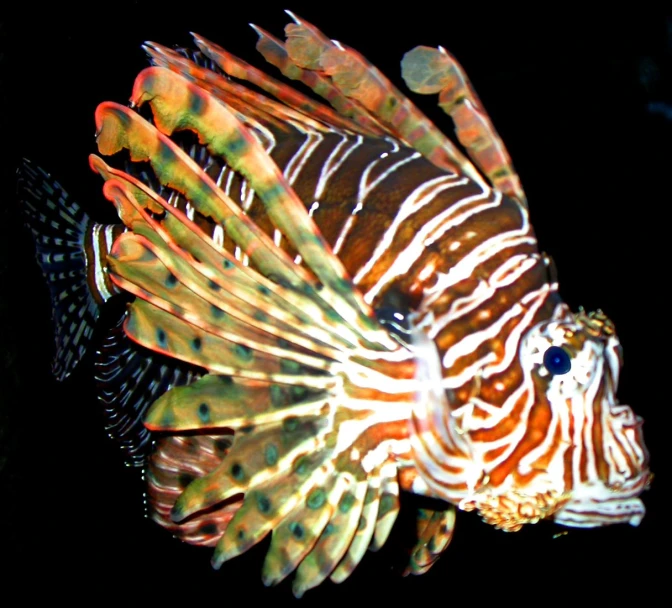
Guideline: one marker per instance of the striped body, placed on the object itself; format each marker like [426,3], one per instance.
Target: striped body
[461,255]
[328,307]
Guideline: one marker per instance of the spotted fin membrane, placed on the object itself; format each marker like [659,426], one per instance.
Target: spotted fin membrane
[303,401]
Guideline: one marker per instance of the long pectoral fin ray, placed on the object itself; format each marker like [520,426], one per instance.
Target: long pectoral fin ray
[172,99]
[228,285]
[309,392]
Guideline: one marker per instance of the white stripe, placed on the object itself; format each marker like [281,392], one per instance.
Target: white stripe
[221,176]
[109,238]
[344,232]
[229,179]
[365,187]
[98,266]
[416,200]
[507,274]
[247,203]
[218,235]
[472,341]
[330,167]
[423,238]
[301,156]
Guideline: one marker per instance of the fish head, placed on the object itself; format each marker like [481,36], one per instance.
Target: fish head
[580,457]
[606,462]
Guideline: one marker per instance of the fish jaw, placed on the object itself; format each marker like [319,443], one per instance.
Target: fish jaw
[596,505]
[602,502]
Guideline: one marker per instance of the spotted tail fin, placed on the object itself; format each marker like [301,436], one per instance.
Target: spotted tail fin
[70,249]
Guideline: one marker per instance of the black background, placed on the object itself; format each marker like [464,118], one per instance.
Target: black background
[577,99]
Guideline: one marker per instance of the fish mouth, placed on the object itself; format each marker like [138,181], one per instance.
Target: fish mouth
[597,505]
[511,510]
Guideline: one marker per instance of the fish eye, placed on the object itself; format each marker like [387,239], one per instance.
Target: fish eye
[557,360]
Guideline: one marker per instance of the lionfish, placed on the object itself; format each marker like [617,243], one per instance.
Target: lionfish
[328,305]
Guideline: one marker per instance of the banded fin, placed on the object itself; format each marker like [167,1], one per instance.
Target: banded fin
[172,99]
[175,462]
[71,250]
[435,531]
[316,391]
[255,110]
[349,116]
[427,70]
[354,77]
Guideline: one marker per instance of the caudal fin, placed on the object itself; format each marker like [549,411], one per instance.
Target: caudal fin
[69,247]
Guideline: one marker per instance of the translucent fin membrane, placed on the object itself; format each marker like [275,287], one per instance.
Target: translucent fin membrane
[129,380]
[61,229]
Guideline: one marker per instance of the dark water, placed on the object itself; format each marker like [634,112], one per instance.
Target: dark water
[583,104]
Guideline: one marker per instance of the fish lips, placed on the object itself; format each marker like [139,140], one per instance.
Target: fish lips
[596,504]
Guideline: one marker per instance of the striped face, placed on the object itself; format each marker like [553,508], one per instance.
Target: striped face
[559,444]
[605,460]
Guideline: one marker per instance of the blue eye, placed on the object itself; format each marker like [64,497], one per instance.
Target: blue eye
[557,360]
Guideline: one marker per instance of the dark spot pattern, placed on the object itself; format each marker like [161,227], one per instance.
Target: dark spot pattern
[263,504]
[301,466]
[297,530]
[237,146]
[346,502]
[204,412]
[208,529]
[197,103]
[387,503]
[222,444]
[244,352]
[316,499]
[290,424]
[277,398]
[289,367]
[271,455]
[299,392]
